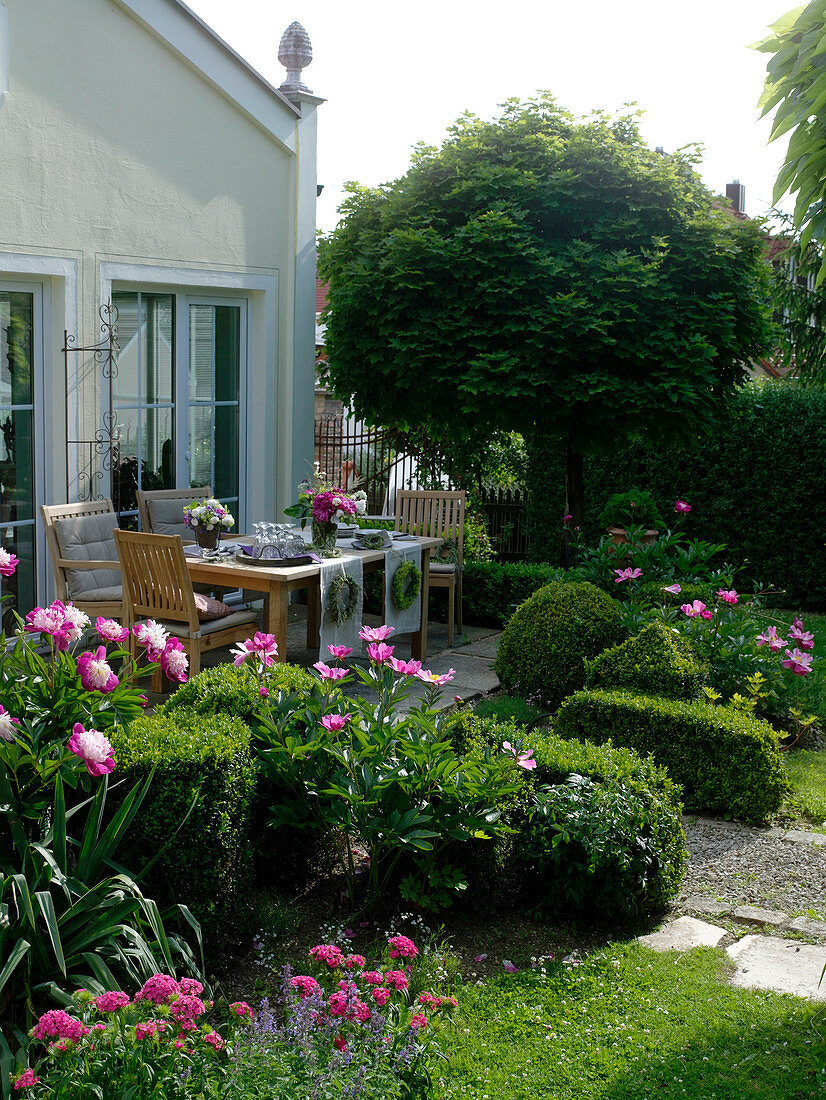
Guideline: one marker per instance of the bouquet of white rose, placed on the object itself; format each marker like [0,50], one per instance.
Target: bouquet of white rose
[208,514]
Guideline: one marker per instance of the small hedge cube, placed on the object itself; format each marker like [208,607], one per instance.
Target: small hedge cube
[206,758]
[225,689]
[657,661]
[726,761]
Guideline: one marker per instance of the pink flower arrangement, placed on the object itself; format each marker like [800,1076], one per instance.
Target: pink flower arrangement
[7,724]
[93,749]
[95,672]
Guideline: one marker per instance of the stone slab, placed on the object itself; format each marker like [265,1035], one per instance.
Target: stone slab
[786,966]
[699,903]
[808,926]
[684,933]
[471,674]
[487,648]
[752,914]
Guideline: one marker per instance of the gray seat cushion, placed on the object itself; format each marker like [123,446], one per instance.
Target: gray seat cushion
[166,517]
[437,568]
[89,538]
[237,618]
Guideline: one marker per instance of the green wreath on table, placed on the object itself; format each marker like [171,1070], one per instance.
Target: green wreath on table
[342,599]
[407,581]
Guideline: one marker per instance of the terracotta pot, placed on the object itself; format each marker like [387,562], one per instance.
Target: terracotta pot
[619,537]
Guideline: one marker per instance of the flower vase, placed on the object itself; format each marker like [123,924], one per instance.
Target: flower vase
[324,539]
[208,540]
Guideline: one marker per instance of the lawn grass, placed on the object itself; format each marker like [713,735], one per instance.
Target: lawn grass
[806,771]
[629,1024]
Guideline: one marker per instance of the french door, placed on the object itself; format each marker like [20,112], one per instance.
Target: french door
[180,396]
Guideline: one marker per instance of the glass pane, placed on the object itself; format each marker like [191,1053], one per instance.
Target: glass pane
[201,445]
[19,541]
[225,477]
[146,325]
[16,466]
[16,333]
[126,385]
[227,353]
[159,355]
[201,353]
[146,457]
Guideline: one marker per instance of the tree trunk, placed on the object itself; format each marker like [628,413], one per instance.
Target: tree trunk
[574,504]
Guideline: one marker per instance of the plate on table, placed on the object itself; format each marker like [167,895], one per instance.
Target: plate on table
[346,532]
[276,563]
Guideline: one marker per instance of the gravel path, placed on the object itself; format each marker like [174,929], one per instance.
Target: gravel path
[748,866]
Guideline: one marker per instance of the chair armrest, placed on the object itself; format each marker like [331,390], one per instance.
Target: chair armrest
[66,563]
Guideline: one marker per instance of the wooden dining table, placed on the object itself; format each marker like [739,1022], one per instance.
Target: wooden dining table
[277,583]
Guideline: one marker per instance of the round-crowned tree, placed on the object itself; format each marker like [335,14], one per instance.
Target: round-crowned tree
[547,639]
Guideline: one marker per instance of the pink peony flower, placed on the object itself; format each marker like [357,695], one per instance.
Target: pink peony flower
[93,749]
[376,633]
[728,596]
[111,1002]
[48,620]
[8,564]
[434,678]
[628,574]
[340,651]
[379,652]
[95,672]
[264,692]
[75,622]
[694,610]
[111,631]
[405,668]
[674,589]
[7,724]
[769,637]
[682,507]
[174,661]
[27,1078]
[804,639]
[402,947]
[523,759]
[335,722]
[567,518]
[799,662]
[327,672]
[153,636]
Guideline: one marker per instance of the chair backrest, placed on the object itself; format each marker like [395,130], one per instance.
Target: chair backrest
[83,531]
[437,514]
[156,582]
[162,510]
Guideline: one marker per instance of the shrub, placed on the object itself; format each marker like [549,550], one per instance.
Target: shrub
[726,761]
[225,689]
[493,590]
[544,646]
[634,508]
[194,757]
[657,661]
[598,828]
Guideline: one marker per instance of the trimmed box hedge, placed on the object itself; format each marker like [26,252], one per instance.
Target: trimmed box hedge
[607,843]
[727,762]
[225,689]
[493,590]
[657,661]
[205,863]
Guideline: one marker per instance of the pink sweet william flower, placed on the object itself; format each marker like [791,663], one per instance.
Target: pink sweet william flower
[338,1005]
[769,637]
[57,1024]
[153,636]
[728,596]
[434,678]
[694,610]
[327,672]
[371,977]
[396,979]
[379,652]
[186,1009]
[95,672]
[27,1078]
[363,1012]
[376,633]
[674,589]
[327,953]
[7,724]
[799,662]
[158,989]
[174,661]
[241,1009]
[190,987]
[93,749]
[340,651]
[149,1029]
[380,995]
[305,985]
[340,1043]
[111,630]
[335,722]
[8,564]
[418,1021]
[111,1002]
[682,507]
[628,574]
[523,759]
[405,668]
[402,947]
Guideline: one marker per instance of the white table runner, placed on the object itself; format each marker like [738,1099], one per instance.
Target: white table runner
[409,620]
[346,633]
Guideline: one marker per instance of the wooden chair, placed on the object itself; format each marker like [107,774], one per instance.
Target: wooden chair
[439,514]
[156,585]
[162,510]
[84,556]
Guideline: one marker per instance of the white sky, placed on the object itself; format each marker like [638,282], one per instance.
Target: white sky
[394,74]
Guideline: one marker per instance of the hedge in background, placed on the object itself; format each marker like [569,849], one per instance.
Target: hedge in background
[493,590]
[606,840]
[726,761]
[544,645]
[657,661]
[760,488]
[194,756]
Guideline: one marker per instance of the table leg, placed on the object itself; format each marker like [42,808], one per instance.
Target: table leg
[275,617]
[418,641]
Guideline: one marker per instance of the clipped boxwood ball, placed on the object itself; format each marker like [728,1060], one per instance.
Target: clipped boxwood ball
[548,638]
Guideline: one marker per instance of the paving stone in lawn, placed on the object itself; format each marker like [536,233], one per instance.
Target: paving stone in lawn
[684,933]
[786,966]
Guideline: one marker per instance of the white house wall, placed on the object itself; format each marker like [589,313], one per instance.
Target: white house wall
[120,158]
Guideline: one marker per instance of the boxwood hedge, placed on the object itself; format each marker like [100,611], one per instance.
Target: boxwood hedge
[657,661]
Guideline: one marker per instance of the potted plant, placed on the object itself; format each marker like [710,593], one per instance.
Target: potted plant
[207,518]
[632,516]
